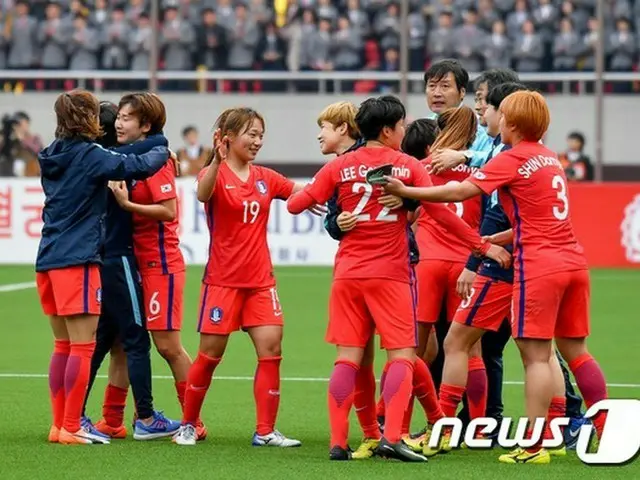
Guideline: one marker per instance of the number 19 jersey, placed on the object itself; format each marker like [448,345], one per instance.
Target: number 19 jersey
[434,241]
[237,217]
[533,192]
[378,246]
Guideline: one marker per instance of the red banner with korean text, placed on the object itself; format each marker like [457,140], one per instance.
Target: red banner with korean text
[606,218]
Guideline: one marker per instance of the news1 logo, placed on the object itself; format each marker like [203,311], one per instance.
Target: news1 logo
[619,443]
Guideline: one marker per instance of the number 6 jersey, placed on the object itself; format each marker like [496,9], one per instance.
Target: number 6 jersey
[533,193]
[378,245]
[237,216]
[434,241]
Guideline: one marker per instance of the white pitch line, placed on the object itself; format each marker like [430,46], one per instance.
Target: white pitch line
[14,287]
[284,379]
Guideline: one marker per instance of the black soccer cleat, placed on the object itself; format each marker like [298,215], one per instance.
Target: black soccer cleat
[399,451]
[339,454]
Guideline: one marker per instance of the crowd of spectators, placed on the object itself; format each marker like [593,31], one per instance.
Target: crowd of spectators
[315,35]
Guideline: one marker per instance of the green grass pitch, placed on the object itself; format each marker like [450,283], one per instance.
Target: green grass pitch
[25,346]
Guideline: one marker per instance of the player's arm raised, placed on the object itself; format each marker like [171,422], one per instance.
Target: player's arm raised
[318,191]
[207,182]
[451,192]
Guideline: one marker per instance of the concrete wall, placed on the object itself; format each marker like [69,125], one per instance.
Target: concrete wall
[291,120]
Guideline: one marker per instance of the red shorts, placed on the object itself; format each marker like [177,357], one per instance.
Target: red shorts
[163,300]
[488,306]
[224,309]
[555,305]
[70,291]
[437,281]
[358,307]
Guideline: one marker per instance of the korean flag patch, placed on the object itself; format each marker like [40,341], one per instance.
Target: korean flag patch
[165,188]
[261,186]
[216,315]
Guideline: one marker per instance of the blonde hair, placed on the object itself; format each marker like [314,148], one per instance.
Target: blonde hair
[528,113]
[339,113]
[458,127]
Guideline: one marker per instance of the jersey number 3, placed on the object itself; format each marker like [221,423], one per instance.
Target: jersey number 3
[558,184]
[383,216]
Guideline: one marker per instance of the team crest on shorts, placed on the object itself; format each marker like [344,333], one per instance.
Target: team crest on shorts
[261,186]
[99,295]
[216,314]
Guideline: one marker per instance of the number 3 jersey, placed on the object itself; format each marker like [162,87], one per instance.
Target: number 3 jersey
[434,241]
[378,246]
[532,188]
[237,216]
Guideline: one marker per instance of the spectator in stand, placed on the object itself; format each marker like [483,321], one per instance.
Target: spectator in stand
[346,47]
[444,6]
[245,36]
[487,15]
[327,11]
[193,155]
[358,18]
[3,41]
[579,17]
[417,40]
[177,42]
[140,48]
[528,51]
[545,19]
[272,52]
[387,27]
[498,47]
[516,18]
[315,50]
[503,7]
[83,46]
[468,42]
[566,47]
[441,42]
[211,41]
[76,7]
[134,10]
[260,13]
[621,47]
[589,45]
[21,31]
[225,14]
[577,166]
[114,38]
[53,40]
[99,17]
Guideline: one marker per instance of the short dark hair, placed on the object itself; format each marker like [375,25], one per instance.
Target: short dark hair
[438,70]
[21,115]
[148,108]
[108,114]
[376,113]
[495,77]
[188,129]
[498,93]
[419,136]
[576,136]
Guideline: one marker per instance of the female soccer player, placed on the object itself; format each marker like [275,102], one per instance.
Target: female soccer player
[74,174]
[154,205]
[121,328]
[372,276]
[239,288]
[551,288]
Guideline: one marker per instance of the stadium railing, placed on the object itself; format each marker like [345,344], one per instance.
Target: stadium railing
[320,81]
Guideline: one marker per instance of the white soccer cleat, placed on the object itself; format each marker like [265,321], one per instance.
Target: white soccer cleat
[186,435]
[274,439]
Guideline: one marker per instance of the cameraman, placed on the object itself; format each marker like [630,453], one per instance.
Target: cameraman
[19,148]
[9,146]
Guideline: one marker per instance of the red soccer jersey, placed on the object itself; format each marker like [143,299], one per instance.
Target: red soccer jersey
[533,192]
[156,244]
[378,246]
[237,216]
[434,241]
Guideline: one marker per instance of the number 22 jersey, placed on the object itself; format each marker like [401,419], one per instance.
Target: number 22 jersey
[533,193]
[237,216]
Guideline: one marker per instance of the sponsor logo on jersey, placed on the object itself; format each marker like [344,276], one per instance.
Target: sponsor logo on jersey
[630,228]
[261,186]
[216,315]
